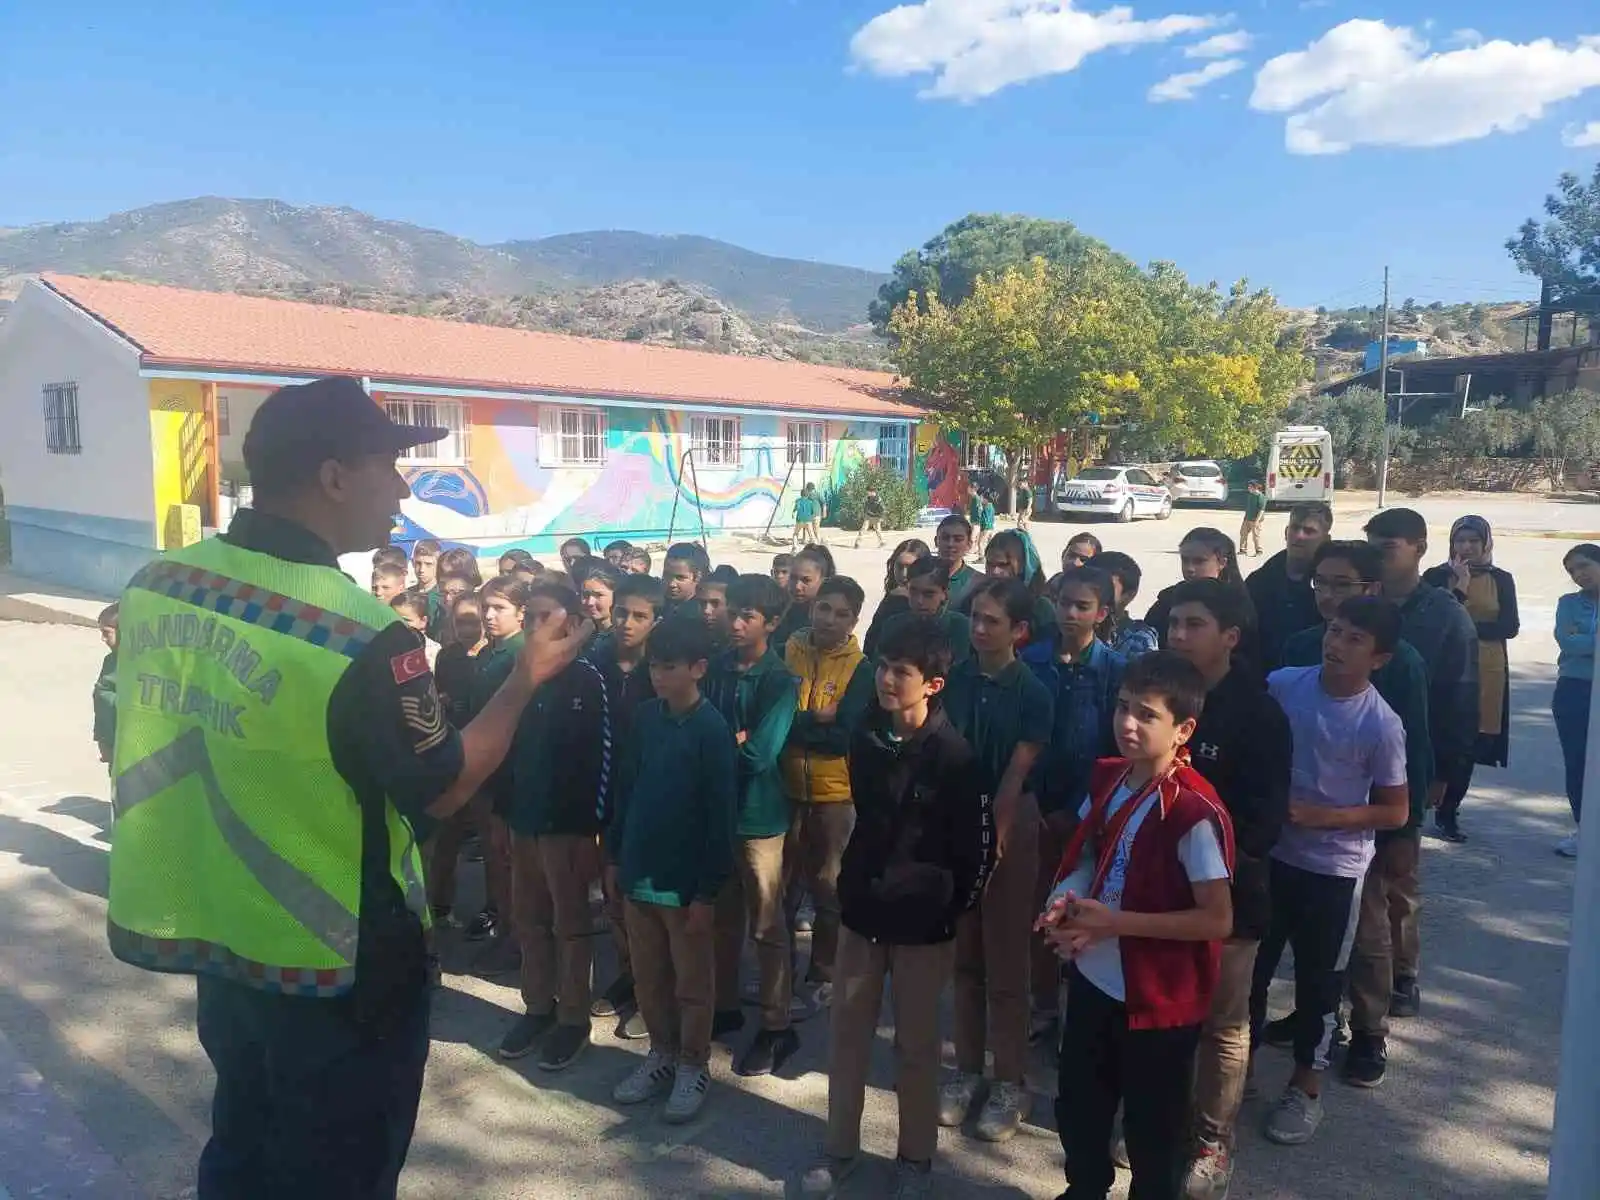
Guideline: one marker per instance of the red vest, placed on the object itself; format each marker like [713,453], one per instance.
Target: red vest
[1169,984]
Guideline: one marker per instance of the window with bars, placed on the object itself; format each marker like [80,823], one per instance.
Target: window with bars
[61,419]
[224,419]
[806,442]
[449,415]
[572,437]
[894,447]
[715,441]
[975,455]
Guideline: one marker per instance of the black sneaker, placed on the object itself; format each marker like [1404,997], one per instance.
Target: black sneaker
[564,1044]
[1366,1061]
[1448,828]
[502,956]
[483,926]
[632,1027]
[771,1049]
[614,999]
[1279,1033]
[522,1037]
[725,1021]
[1405,1001]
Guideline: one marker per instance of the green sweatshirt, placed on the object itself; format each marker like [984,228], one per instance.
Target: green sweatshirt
[105,705]
[491,668]
[671,836]
[760,701]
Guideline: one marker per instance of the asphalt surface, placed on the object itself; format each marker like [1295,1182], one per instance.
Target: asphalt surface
[117,1089]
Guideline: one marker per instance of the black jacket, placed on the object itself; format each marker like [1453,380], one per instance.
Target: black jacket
[924,838]
[1242,745]
[1248,651]
[1284,607]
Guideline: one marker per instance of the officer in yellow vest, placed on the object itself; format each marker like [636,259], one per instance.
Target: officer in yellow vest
[280,753]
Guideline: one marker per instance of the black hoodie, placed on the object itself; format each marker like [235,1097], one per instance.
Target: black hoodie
[1242,745]
[1284,607]
[923,843]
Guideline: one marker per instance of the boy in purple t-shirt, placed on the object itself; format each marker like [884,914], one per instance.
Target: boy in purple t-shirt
[1348,780]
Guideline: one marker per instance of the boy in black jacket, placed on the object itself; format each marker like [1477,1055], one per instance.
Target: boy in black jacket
[560,775]
[1243,747]
[918,858]
[105,687]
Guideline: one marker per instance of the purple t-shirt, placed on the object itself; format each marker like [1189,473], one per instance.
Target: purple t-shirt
[1343,748]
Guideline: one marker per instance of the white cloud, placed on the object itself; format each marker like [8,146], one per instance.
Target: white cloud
[1578,137]
[974,48]
[1368,83]
[1184,85]
[1220,45]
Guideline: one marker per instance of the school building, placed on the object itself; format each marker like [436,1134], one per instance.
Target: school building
[126,405]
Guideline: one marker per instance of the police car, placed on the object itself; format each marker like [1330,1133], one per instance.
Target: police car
[1120,492]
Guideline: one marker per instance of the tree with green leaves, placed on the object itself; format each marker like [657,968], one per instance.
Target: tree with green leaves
[1564,251]
[949,264]
[1565,429]
[1032,350]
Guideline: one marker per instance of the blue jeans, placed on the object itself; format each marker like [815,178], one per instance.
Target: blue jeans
[1569,705]
[311,1102]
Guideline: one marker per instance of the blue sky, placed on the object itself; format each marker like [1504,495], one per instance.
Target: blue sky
[1304,143]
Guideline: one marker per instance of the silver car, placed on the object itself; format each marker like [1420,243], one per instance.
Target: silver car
[1198,481]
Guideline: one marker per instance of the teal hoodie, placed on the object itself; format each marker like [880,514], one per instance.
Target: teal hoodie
[760,701]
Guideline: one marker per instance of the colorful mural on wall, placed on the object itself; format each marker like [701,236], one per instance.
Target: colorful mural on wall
[507,497]
[940,480]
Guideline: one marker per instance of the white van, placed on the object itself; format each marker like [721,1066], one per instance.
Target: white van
[1300,465]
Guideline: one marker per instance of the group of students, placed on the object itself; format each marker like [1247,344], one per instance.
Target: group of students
[1099,830]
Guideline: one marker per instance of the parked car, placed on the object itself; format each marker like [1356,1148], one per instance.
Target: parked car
[1120,492]
[1198,480]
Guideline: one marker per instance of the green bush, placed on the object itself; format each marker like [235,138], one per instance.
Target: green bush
[900,504]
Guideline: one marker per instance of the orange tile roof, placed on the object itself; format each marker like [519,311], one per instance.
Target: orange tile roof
[219,331]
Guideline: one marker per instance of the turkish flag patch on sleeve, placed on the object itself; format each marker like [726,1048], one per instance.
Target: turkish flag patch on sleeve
[409,665]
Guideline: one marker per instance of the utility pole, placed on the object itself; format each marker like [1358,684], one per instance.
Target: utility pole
[1383,390]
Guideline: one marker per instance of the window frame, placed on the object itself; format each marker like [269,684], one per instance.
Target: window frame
[63,427]
[403,410]
[810,447]
[901,459]
[972,459]
[721,453]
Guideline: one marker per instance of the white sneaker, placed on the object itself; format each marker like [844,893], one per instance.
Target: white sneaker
[955,1099]
[688,1094]
[823,1181]
[1003,1112]
[1567,847]
[1210,1173]
[649,1079]
[1295,1118]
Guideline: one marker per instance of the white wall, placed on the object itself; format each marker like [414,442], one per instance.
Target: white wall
[242,403]
[77,518]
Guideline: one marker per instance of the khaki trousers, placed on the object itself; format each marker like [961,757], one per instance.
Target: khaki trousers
[672,980]
[1223,1057]
[443,852]
[753,899]
[1247,531]
[818,834]
[1388,941]
[918,978]
[495,838]
[551,877]
[617,911]
[993,942]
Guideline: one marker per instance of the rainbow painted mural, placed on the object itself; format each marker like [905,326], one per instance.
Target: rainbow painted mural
[508,497]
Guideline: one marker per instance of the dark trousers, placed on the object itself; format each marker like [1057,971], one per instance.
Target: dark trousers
[1569,705]
[1457,783]
[1316,916]
[1148,1071]
[310,1103]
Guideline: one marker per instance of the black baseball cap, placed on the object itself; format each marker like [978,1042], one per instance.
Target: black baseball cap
[300,427]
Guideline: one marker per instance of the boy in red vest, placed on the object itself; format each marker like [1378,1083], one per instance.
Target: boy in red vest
[1139,914]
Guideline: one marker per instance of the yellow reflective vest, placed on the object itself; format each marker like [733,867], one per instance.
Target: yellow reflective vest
[236,845]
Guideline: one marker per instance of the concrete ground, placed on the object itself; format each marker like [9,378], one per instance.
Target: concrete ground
[105,1090]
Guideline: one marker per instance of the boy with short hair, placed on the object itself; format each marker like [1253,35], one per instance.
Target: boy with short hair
[928,595]
[670,853]
[1005,714]
[780,569]
[388,581]
[1127,635]
[636,561]
[1349,780]
[917,860]
[1255,511]
[952,542]
[616,551]
[834,692]
[685,566]
[105,684]
[755,693]
[560,775]
[872,514]
[1138,914]
[1280,588]
[711,595]
[1083,677]
[1386,929]
[985,522]
[1241,745]
[807,517]
[620,659]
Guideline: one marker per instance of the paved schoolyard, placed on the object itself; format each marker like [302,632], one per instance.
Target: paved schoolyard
[121,1086]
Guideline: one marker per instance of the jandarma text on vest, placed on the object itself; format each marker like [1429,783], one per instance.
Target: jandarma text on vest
[204,636]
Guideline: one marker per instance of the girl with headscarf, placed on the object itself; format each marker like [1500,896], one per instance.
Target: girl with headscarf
[1490,596]
[1011,554]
